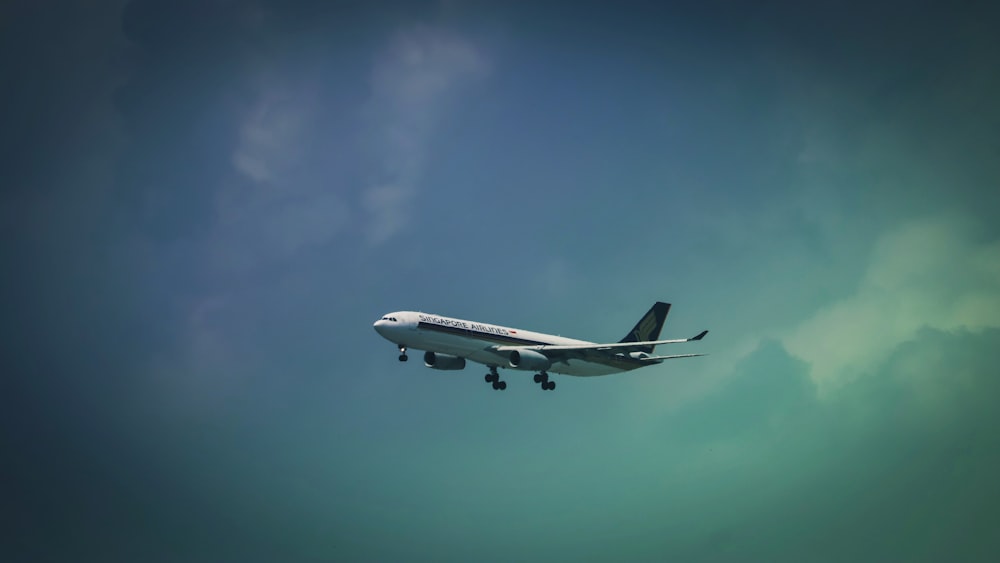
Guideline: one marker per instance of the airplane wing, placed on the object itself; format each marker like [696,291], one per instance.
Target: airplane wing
[613,347]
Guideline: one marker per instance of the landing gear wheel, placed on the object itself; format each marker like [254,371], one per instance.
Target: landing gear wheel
[402,354]
[549,385]
[494,378]
[538,378]
[403,358]
[503,385]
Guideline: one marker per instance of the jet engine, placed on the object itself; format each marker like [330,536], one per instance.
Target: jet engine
[443,361]
[529,359]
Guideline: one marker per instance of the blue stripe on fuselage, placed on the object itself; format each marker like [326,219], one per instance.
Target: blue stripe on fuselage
[479,335]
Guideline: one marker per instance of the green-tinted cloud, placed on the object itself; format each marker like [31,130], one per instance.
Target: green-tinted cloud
[894,465]
[937,272]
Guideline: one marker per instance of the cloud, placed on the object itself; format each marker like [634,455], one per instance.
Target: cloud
[932,272]
[282,201]
[294,165]
[271,136]
[274,181]
[287,195]
[412,81]
[898,448]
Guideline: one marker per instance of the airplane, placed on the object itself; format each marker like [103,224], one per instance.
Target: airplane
[447,344]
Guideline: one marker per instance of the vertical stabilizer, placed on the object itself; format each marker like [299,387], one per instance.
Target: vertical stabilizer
[648,328]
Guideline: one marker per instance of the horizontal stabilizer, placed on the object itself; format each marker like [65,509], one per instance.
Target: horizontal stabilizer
[658,358]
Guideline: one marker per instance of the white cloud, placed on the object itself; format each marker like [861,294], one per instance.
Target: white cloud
[927,273]
[412,81]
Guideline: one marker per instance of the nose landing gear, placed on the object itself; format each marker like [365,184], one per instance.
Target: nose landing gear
[402,354]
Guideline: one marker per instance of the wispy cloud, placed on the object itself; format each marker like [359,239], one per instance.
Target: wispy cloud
[294,189]
[284,203]
[411,83]
[285,198]
[271,132]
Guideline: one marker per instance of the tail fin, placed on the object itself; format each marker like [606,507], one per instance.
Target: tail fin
[648,328]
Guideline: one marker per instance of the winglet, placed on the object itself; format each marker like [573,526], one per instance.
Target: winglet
[700,335]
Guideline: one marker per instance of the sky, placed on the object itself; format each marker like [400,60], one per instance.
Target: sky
[206,204]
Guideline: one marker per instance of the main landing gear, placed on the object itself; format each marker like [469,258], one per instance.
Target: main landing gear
[402,353]
[494,378]
[543,378]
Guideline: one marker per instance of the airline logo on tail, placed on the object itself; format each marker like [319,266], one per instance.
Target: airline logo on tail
[648,328]
[643,331]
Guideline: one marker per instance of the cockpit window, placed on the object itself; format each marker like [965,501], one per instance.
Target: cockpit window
[393,319]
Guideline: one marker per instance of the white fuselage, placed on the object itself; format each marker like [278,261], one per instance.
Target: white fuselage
[477,341]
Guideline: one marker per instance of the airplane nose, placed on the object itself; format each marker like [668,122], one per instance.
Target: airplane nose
[380,326]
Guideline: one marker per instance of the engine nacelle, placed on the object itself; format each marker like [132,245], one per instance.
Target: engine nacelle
[528,359]
[443,361]
[638,355]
